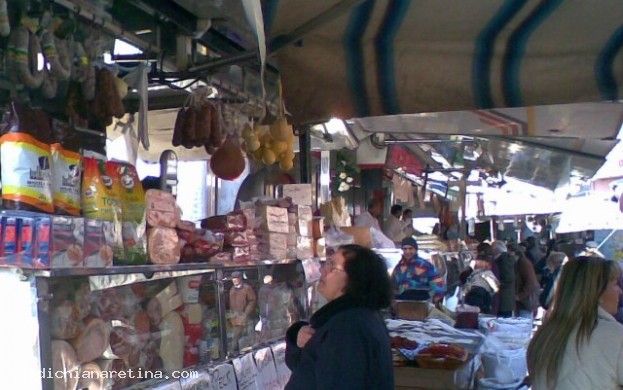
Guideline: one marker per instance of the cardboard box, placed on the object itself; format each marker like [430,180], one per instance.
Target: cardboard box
[300,194]
[304,248]
[412,310]
[361,235]
[272,219]
[97,251]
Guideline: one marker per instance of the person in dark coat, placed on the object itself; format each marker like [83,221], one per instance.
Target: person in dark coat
[345,345]
[526,284]
[504,269]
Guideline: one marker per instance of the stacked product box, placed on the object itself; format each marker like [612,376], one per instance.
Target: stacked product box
[272,230]
[304,230]
[37,240]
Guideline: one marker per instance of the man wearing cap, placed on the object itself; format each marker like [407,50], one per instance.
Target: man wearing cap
[415,273]
[242,301]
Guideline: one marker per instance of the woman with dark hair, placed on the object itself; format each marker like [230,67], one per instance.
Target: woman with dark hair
[580,345]
[345,345]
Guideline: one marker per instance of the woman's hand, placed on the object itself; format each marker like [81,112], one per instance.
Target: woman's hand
[305,333]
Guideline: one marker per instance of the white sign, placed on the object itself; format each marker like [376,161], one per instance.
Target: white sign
[223,377]
[283,372]
[267,372]
[201,382]
[301,194]
[246,373]
[311,267]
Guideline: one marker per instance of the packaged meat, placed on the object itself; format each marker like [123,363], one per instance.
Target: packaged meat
[92,341]
[193,333]
[91,377]
[163,245]
[272,219]
[133,214]
[64,360]
[165,301]
[221,258]
[67,242]
[65,321]
[304,248]
[232,222]
[172,342]
[236,239]
[249,214]
[141,324]
[123,340]
[186,226]
[109,305]
[66,173]
[273,240]
[240,254]
[100,239]
[161,209]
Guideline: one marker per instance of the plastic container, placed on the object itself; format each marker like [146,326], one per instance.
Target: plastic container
[494,384]
[506,365]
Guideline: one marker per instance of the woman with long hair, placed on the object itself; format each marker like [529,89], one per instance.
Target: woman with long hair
[345,345]
[580,345]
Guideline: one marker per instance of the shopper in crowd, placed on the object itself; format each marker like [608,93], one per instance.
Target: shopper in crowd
[533,250]
[526,284]
[370,218]
[242,304]
[479,288]
[395,228]
[345,345]
[554,264]
[413,274]
[407,220]
[580,344]
[503,266]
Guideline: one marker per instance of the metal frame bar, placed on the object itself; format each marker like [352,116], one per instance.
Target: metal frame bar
[557,149]
[281,41]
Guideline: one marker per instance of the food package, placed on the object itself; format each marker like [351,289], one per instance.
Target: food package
[300,194]
[272,219]
[25,159]
[240,254]
[222,258]
[100,240]
[304,213]
[64,360]
[172,342]
[249,214]
[101,201]
[123,340]
[236,239]
[8,239]
[65,180]
[67,242]
[193,334]
[304,228]
[320,249]
[161,209]
[318,228]
[304,248]
[92,341]
[24,251]
[133,214]
[163,245]
[232,222]
[42,242]
[65,320]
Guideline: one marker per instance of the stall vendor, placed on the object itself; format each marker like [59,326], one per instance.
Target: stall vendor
[415,273]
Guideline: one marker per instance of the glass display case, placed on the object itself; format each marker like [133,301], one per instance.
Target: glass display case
[145,324]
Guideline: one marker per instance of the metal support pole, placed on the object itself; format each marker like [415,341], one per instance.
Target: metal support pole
[220,300]
[305,155]
[325,177]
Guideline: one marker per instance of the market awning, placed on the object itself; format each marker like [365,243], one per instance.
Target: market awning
[385,57]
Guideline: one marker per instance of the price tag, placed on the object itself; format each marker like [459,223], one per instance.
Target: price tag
[223,377]
[267,372]
[246,373]
[283,372]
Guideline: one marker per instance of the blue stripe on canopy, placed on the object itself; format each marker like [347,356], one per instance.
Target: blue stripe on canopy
[483,53]
[353,47]
[516,48]
[384,43]
[604,67]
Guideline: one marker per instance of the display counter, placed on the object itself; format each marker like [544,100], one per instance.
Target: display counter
[150,320]
[414,370]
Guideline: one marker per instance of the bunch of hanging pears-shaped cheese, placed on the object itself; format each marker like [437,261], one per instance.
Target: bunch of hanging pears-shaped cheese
[269,144]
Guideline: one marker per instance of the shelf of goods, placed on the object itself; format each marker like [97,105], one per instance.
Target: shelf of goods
[148,322]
